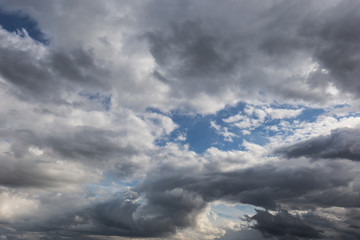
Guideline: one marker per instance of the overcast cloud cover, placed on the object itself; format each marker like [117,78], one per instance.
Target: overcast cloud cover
[219,120]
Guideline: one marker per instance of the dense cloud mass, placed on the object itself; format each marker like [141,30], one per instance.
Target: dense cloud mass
[340,144]
[283,225]
[179,119]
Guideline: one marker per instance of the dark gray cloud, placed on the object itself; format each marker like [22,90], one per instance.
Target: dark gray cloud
[283,226]
[263,186]
[25,174]
[329,36]
[334,40]
[339,196]
[202,48]
[163,214]
[78,66]
[46,79]
[27,74]
[329,228]
[87,145]
[187,52]
[172,200]
[80,143]
[242,234]
[123,215]
[197,52]
[167,201]
[340,143]
[64,160]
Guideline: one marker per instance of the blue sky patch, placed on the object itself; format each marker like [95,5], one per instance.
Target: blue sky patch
[216,130]
[16,21]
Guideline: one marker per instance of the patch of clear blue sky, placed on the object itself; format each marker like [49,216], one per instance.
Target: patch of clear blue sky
[310,114]
[16,21]
[201,136]
[233,211]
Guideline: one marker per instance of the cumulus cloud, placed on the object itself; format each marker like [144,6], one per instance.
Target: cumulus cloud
[254,116]
[92,126]
[47,76]
[228,136]
[187,51]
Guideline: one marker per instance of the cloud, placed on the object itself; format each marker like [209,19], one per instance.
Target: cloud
[182,55]
[30,173]
[283,225]
[283,113]
[191,53]
[336,46]
[243,234]
[263,186]
[252,117]
[122,215]
[48,76]
[87,142]
[228,136]
[168,201]
[339,144]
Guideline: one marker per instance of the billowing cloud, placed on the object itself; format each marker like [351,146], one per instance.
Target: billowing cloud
[340,144]
[283,225]
[133,119]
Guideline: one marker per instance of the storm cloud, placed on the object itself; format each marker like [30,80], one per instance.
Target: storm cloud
[283,225]
[340,144]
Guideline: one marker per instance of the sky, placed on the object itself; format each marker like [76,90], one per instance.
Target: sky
[179,120]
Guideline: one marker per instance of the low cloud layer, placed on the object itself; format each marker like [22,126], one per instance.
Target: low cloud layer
[169,200]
